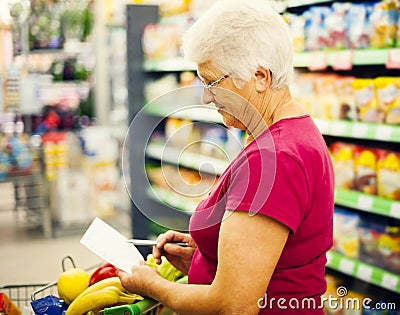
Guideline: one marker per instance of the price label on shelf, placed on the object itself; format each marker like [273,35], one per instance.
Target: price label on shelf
[359,130]
[393,59]
[346,266]
[343,60]
[318,61]
[365,202]
[384,133]
[389,281]
[338,128]
[395,210]
[364,272]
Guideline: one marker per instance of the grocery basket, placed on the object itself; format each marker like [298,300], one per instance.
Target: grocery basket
[20,294]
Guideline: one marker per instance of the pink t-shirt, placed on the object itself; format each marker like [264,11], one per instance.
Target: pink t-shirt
[286,173]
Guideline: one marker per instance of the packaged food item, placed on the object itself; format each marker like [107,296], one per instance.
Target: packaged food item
[388,97]
[178,132]
[316,34]
[366,102]
[358,25]
[335,24]
[345,233]
[296,25]
[7,307]
[370,232]
[365,165]
[383,21]
[388,174]
[389,248]
[345,96]
[161,41]
[304,92]
[343,164]
[326,97]
[49,305]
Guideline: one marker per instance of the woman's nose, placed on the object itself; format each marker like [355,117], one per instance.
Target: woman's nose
[207,97]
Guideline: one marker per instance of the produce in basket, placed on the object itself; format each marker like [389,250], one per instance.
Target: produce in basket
[165,269]
[71,283]
[105,271]
[105,293]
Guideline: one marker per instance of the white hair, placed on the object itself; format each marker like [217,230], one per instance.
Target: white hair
[238,36]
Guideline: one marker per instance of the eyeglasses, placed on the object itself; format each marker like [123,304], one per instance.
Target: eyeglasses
[212,86]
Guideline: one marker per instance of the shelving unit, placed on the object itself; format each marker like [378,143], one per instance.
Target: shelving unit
[363,271]
[207,164]
[172,199]
[367,203]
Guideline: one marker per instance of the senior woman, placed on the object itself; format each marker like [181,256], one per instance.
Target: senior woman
[258,242]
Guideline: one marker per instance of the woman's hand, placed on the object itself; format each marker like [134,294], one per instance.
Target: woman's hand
[180,257]
[141,279]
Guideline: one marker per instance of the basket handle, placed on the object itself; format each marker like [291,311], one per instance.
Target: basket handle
[65,259]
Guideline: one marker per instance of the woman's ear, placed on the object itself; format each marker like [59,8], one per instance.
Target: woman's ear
[262,79]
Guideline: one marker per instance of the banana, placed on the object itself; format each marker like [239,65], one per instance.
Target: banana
[91,301]
[102,294]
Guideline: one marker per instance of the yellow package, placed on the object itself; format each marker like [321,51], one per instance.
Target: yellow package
[383,24]
[343,164]
[345,95]
[365,164]
[366,102]
[327,99]
[388,174]
[388,97]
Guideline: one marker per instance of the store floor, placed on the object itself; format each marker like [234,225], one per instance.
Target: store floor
[26,257]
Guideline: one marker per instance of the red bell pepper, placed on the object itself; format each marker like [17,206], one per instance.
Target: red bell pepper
[105,271]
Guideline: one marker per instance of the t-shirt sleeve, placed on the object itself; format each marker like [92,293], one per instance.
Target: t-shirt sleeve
[273,184]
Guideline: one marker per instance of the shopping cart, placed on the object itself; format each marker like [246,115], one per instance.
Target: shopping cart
[23,294]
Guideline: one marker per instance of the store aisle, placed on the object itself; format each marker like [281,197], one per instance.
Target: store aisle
[27,257]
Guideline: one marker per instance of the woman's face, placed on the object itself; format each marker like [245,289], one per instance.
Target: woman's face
[231,102]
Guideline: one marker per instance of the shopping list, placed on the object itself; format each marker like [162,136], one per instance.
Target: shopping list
[110,245]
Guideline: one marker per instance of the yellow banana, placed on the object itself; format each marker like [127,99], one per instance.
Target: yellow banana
[91,301]
[102,294]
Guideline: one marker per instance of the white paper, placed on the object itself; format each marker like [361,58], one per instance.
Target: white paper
[110,245]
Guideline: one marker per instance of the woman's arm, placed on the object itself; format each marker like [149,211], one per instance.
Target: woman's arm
[248,251]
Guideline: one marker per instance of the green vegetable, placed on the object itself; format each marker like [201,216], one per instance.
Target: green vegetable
[166,269]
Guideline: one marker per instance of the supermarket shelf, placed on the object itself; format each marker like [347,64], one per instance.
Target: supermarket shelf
[360,57]
[356,57]
[360,130]
[191,160]
[368,203]
[173,199]
[363,271]
[205,114]
[174,64]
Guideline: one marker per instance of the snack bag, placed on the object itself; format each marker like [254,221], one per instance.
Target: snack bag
[383,21]
[343,164]
[345,233]
[370,232]
[303,91]
[326,97]
[365,99]
[357,25]
[335,24]
[388,97]
[316,35]
[296,26]
[389,248]
[388,174]
[365,164]
[345,96]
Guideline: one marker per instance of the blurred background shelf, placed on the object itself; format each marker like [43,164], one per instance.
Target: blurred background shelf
[368,203]
[363,271]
